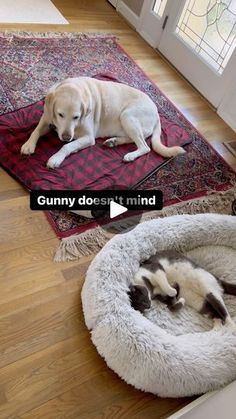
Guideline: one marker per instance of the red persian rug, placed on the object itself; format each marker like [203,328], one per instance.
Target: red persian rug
[31,63]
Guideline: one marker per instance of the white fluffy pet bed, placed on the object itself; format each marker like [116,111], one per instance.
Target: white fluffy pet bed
[171,354]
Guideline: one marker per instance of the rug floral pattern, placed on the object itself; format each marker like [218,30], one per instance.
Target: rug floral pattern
[30,64]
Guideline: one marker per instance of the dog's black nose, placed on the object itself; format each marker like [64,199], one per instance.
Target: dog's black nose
[66,137]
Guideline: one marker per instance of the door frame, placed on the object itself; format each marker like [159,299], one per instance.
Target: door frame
[128,14]
[153,32]
[150,25]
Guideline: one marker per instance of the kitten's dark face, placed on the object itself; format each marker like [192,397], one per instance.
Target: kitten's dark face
[139,298]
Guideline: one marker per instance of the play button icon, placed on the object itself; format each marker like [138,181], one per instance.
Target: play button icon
[114,218]
[116,209]
[117,219]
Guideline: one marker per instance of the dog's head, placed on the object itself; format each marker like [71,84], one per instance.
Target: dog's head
[66,105]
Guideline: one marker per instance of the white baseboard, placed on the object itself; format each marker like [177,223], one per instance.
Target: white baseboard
[227,118]
[219,404]
[128,14]
[147,38]
[182,412]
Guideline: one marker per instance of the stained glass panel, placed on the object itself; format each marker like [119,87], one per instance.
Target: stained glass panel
[209,27]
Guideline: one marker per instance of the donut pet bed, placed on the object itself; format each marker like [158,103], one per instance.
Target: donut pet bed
[171,354]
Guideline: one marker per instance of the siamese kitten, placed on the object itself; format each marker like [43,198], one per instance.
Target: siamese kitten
[174,279]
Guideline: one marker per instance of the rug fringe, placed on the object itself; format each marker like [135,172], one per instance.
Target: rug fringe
[214,202]
[90,242]
[79,245]
[79,35]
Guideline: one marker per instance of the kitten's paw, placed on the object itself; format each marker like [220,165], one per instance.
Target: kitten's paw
[28,148]
[178,304]
[172,292]
[217,324]
[181,300]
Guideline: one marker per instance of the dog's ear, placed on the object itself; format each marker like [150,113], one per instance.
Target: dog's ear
[86,104]
[49,106]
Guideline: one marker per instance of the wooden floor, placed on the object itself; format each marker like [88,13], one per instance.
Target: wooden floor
[48,366]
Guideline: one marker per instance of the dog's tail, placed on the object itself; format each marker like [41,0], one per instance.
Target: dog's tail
[160,148]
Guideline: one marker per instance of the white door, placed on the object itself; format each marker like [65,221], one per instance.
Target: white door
[200,40]
[153,20]
[147,16]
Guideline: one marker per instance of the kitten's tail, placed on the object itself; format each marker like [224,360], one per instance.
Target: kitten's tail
[228,287]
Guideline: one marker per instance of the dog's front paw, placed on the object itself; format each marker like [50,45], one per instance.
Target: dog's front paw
[129,157]
[28,148]
[55,161]
[111,142]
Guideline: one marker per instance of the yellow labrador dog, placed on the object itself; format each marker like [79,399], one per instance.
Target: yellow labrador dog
[84,108]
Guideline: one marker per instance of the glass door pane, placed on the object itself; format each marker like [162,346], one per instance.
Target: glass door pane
[209,28]
[159,7]
[200,41]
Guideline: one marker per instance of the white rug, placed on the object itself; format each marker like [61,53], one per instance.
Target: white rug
[30,11]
